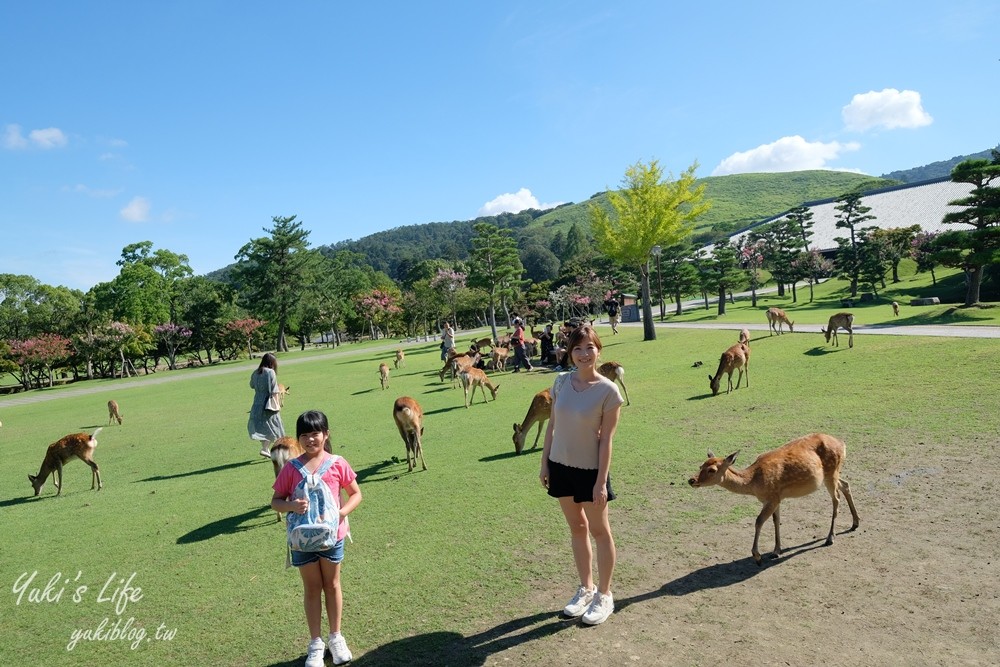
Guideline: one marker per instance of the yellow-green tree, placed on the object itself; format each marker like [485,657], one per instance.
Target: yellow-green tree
[647,211]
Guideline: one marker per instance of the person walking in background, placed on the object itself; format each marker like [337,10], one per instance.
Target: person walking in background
[265,424]
[447,340]
[576,469]
[320,570]
[611,305]
[517,343]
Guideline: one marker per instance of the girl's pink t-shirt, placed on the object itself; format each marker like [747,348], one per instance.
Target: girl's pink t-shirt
[339,476]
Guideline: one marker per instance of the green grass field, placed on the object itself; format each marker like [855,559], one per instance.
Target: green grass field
[439,555]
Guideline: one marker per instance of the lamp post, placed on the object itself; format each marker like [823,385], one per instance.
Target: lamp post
[657,251]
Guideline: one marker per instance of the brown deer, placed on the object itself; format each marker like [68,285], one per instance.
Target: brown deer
[840,321]
[793,470]
[538,412]
[735,358]
[745,336]
[383,375]
[456,363]
[616,373]
[776,316]
[499,357]
[472,378]
[284,450]
[60,452]
[113,413]
[282,392]
[409,418]
[400,358]
[483,342]
[895,309]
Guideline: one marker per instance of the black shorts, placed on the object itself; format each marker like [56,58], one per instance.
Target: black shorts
[577,482]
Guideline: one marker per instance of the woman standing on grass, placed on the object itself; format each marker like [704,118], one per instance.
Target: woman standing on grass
[576,464]
[265,424]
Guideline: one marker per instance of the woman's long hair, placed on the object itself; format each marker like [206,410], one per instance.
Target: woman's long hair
[268,361]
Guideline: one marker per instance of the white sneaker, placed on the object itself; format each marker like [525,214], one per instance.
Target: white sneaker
[600,609]
[580,602]
[338,649]
[317,649]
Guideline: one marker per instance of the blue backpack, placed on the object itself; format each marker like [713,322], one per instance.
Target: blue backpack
[316,530]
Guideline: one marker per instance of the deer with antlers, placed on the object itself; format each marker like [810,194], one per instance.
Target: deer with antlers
[736,358]
[383,375]
[793,470]
[409,418]
[840,321]
[60,452]
[776,319]
[472,378]
[616,373]
[538,413]
[114,414]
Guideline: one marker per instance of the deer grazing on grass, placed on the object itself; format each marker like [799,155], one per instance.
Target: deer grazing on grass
[895,309]
[113,413]
[284,450]
[400,358]
[383,375]
[735,358]
[616,373]
[472,378]
[409,418]
[538,413]
[60,452]
[840,321]
[776,318]
[745,337]
[793,470]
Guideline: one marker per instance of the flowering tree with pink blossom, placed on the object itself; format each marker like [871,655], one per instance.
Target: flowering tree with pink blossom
[377,306]
[448,283]
[172,336]
[242,330]
[36,356]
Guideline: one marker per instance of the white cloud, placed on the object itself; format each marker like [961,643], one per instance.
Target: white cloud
[79,188]
[50,137]
[13,139]
[514,203]
[888,109]
[136,210]
[786,154]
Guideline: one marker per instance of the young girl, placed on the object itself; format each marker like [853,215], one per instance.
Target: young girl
[320,570]
[576,464]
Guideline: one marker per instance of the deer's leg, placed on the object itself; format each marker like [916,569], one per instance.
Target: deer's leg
[776,517]
[845,488]
[765,514]
[622,382]
[418,449]
[57,477]
[832,484]
[538,433]
[95,476]
[850,338]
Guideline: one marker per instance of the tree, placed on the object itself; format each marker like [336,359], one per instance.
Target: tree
[922,252]
[448,282]
[647,211]
[173,268]
[974,249]
[725,271]
[751,257]
[896,243]
[43,351]
[270,270]
[494,266]
[851,214]
[680,276]
[540,263]
[800,218]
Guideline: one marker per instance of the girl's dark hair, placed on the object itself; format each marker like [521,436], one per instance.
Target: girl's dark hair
[268,361]
[581,335]
[311,421]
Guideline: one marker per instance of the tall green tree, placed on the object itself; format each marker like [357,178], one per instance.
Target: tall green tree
[800,219]
[851,214]
[270,271]
[649,210]
[680,276]
[173,268]
[726,274]
[494,267]
[975,249]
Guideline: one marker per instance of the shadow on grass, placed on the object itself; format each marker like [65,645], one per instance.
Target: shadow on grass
[228,526]
[378,469]
[19,501]
[363,391]
[460,406]
[203,471]
[820,351]
[452,649]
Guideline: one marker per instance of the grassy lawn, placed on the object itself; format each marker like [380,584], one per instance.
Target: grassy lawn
[438,555]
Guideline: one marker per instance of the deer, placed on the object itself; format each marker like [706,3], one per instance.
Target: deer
[114,413]
[499,357]
[793,470]
[383,375]
[483,342]
[457,363]
[776,316]
[284,450]
[409,418]
[60,452]
[538,412]
[282,392]
[895,309]
[745,336]
[840,321]
[473,377]
[616,373]
[735,358]
[400,358]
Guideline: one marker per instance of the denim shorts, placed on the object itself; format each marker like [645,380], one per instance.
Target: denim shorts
[335,554]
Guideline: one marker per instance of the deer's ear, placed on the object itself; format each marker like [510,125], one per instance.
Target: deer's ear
[710,454]
[731,459]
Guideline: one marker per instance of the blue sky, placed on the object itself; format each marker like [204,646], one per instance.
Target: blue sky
[191,124]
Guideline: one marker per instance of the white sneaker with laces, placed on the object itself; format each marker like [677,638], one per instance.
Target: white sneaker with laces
[338,649]
[580,602]
[600,609]
[317,649]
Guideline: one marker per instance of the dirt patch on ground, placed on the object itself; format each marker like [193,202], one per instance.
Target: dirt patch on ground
[916,584]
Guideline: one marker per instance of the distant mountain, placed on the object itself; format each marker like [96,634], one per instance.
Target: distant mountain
[933,170]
